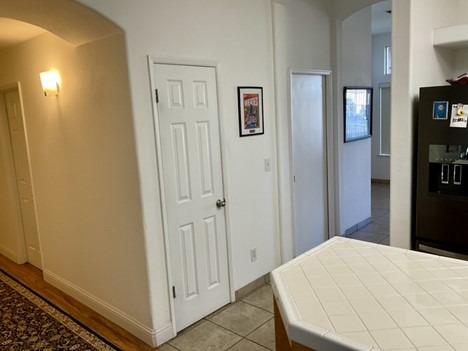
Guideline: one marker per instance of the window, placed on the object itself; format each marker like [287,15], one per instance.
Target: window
[357,113]
[385,119]
[388,60]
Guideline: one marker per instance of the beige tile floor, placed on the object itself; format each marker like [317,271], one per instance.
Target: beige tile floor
[379,230]
[246,325]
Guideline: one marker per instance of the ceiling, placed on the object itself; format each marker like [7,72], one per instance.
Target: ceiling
[381,20]
[13,32]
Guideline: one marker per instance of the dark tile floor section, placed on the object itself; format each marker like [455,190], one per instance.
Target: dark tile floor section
[379,230]
[246,325]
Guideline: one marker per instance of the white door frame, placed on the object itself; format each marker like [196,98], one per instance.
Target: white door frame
[196,63]
[330,164]
[22,254]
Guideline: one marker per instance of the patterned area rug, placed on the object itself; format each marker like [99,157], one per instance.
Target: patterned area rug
[27,322]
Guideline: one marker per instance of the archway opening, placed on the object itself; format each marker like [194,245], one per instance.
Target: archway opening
[364,124]
[80,153]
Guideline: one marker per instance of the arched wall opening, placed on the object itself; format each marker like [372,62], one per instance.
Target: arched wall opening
[289,18]
[83,159]
[354,61]
[69,20]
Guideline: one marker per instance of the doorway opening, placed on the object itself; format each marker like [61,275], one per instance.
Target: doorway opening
[376,39]
[82,153]
[18,168]
[191,173]
[312,209]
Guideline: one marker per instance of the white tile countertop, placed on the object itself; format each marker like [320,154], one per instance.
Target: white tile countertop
[353,295]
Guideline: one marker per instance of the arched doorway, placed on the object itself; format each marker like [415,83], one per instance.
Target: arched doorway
[69,20]
[363,39]
[83,160]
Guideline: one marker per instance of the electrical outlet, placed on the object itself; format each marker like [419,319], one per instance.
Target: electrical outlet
[267,165]
[253,255]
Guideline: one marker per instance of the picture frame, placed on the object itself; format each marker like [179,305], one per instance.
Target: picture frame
[357,113]
[250,104]
[440,110]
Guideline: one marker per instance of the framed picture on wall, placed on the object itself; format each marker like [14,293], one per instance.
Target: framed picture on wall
[250,111]
[357,102]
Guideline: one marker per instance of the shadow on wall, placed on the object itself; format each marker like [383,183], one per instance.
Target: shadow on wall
[82,154]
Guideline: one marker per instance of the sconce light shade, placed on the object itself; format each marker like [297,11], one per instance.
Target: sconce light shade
[50,81]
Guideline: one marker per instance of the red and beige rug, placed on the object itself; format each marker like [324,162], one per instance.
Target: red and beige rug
[28,322]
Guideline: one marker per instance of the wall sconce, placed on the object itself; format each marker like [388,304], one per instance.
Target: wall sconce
[50,81]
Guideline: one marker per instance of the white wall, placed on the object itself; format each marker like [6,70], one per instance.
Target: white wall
[355,158]
[415,64]
[302,42]
[84,172]
[380,164]
[345,8]
[236,35]
[461,55]
[461,62]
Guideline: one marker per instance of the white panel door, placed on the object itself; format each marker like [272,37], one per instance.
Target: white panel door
[309,161]
[23,175]
[191,158]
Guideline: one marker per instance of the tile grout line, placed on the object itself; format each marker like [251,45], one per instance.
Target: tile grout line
[216,324]
[346,297]
[237,343]
[417,311]
[412,305]
[243,337]
[253,331]
[205,319]
[253,342]
[251,304]
[380,303]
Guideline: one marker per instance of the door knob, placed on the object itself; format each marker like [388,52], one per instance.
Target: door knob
[221,203]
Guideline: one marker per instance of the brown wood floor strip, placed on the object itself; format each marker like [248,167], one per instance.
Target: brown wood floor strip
[32,278]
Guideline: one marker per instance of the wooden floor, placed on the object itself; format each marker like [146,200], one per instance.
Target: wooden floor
[31,277]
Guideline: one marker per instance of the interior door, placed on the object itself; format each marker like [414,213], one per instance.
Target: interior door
[23,175]
[309,161]
[191,159]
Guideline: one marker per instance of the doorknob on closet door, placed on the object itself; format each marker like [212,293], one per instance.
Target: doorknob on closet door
[221,203]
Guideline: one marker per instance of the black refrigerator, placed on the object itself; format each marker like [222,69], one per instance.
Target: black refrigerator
[441,171]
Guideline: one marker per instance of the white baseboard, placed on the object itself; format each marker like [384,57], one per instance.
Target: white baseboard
[34,257]
[150,336]
[5,251]
[163,335]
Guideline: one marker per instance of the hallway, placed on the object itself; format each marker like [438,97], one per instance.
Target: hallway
[31,278]
[244,326]
[379,230]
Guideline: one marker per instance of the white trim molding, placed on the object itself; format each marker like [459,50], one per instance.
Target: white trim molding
[332,210]
[153,60]
[148,335]
[12,255]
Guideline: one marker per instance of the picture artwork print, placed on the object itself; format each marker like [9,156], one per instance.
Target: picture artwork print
[250,111]
[440,110]
[357,113]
